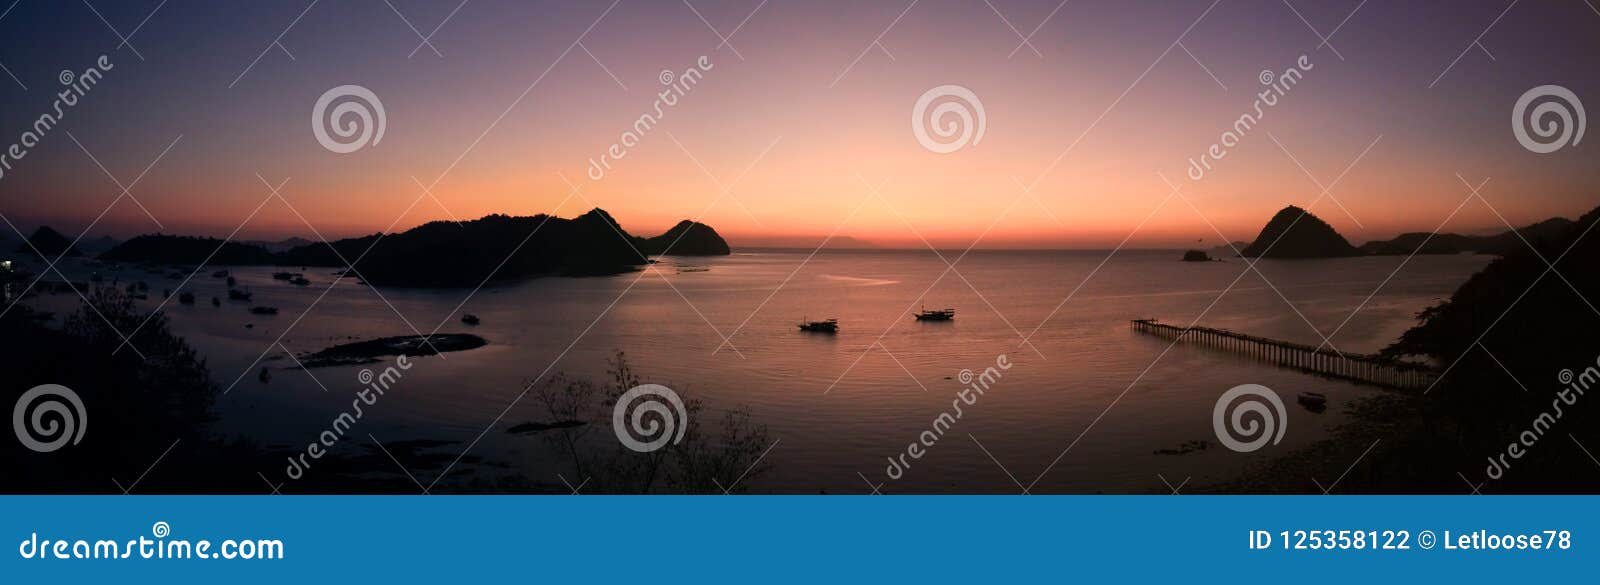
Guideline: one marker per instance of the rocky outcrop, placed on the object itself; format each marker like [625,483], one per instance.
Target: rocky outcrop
[688,238]
[1296,233]
[47,242]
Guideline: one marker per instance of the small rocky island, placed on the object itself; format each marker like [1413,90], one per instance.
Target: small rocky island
[1196,256]
[369,351]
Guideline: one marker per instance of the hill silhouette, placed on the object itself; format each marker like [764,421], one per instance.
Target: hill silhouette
[1296,233]
[688,238]
[98,245]
[186,250]
[280,245]
[449,254]
[1498,244]
[48,242]
[1517,340]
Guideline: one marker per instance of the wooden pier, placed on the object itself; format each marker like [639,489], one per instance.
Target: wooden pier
[1360,368]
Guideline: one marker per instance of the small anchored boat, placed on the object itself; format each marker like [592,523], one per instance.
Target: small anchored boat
[824,326]
[469,319]
[264,310]
[238,295]
[936,315]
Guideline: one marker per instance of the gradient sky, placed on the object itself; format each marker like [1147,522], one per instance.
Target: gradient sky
[1092,120]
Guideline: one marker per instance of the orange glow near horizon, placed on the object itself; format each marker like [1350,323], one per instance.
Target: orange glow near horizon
[801,141]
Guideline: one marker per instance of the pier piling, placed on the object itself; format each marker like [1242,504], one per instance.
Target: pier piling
[1360,368]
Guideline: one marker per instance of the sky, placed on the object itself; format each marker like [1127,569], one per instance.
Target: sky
[802,125]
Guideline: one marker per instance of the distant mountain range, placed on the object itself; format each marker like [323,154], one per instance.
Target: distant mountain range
[806,242]
[450,254]
[1498,244]
[280,245]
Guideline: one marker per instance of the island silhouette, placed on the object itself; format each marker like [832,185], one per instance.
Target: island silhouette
[1296,233]
[1516,315]
[1448,243]
[49,243]
[450,254]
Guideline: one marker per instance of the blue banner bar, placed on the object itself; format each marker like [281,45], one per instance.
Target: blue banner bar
[813,539]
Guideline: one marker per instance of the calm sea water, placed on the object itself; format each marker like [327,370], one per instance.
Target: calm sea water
[837,405]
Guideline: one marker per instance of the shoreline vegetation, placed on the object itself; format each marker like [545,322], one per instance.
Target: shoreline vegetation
[1480,428]
[157,398]
[1470,433]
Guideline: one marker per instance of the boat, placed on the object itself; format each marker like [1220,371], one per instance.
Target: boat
[219,274]
[469,319]
[825,326]
[264,310]
[299,281]
[238,295]
[936,315]
[1313,400]
[284,275]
